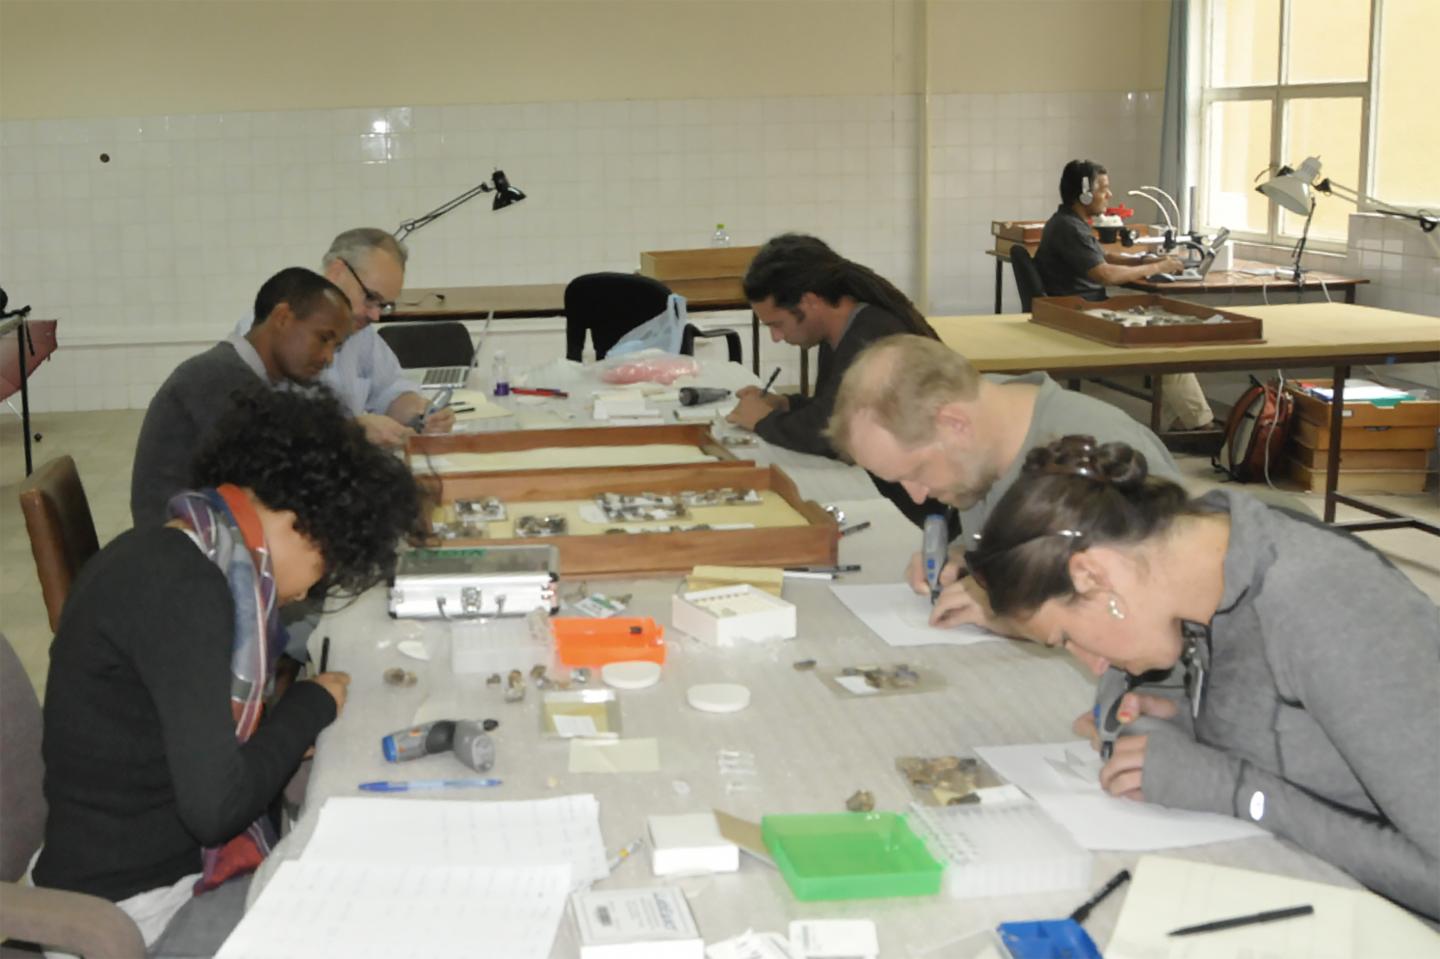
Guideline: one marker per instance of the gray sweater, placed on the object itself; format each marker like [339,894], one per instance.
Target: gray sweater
[1321,715]
[179,416]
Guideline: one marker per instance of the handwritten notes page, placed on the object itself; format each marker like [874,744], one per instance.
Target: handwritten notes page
[899,616]
[402,912]
[1064,778]
[406,832]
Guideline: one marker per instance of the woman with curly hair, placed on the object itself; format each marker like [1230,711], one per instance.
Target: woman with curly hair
[161,757]
[1311,696]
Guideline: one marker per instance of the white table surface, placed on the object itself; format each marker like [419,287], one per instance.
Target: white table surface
[811,747]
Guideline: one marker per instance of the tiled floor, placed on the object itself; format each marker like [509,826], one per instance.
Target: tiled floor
[103,444]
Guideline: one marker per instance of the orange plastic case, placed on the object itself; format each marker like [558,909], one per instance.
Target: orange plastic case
[580,641]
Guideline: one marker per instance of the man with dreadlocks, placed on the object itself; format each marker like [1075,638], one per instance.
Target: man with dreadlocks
[810,296]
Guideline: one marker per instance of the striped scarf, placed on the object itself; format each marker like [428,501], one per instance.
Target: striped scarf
[230,535]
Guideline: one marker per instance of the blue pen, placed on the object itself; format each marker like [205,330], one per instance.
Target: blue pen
[407,785]
[935,550]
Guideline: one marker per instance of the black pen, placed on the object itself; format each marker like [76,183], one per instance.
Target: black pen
[858,527]
[1120,878]
[1272,915]
[844,568]
[324,654]
[770,382]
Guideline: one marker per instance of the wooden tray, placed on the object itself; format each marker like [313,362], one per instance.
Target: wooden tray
[1067,313]
[1018,231]
[644,554]
[1363,413]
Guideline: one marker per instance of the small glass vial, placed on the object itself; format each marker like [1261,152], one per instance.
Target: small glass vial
[500,373]
[720,237]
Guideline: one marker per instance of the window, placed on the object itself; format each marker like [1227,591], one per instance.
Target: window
[1288,79]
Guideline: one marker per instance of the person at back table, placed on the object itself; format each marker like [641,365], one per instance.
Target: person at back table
[1071,262]
[808,295]
[914,412]
[1311,664]
[299,321]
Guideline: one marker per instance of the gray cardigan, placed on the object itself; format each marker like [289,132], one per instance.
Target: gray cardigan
[1321,715]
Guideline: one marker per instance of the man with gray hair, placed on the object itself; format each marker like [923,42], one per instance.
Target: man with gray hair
[368,265]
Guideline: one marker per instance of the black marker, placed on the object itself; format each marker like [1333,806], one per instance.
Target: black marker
[324,654]
[770,382]
[1120,878]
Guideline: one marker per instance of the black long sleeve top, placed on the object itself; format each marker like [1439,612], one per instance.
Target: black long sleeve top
[142,768]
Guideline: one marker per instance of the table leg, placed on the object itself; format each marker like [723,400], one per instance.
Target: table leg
[1337,419]
[755,342]
[1157,406]
[999,276]
[1350,293]
[24,341]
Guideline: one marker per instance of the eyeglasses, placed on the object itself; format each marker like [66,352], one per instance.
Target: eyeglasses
[386,307]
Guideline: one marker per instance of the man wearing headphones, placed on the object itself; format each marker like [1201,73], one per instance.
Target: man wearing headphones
[1071,262]
[1070,259]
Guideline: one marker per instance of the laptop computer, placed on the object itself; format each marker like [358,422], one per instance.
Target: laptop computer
[455,377]
[1201,269]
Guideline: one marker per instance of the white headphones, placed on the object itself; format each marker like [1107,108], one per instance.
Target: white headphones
[1085,195]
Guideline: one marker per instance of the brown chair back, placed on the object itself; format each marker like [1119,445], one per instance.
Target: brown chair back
[62,531]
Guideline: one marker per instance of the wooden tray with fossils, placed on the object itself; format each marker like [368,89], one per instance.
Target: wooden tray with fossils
[1145,319]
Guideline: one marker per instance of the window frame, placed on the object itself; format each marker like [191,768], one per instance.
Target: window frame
[1279,94]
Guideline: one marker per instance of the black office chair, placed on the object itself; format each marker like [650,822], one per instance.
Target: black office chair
[423,344]
[609,305]
[1027,278]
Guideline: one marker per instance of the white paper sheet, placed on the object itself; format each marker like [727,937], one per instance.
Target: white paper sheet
[402,912]
[899,616]
[614,755]
[1064,779]
[1168,894]
[413,832]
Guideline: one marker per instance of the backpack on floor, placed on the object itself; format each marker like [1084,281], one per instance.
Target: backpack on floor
[1255,433]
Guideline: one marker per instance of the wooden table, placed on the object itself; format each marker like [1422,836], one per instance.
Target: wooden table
[1216,282]
[1337,335]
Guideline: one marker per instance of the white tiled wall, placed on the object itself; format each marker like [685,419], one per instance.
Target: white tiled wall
[152,255]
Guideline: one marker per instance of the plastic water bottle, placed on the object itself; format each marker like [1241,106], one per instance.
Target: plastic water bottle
[720,237]
[500,372]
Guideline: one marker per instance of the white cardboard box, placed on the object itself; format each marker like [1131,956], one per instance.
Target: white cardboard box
[653,923]
[690,844]
[733,614]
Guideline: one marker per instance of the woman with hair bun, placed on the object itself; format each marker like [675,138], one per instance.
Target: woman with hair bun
[1311,701]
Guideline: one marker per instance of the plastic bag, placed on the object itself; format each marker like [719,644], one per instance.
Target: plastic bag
[663,332]
[650,366]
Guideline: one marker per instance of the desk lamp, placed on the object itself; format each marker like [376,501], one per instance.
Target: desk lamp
[505,194]
[1295,190]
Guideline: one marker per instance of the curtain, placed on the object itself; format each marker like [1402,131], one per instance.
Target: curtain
[1173,120]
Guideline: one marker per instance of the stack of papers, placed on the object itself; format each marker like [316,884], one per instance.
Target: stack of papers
[625,408]
[902,618]
[401,877]
[1064,779]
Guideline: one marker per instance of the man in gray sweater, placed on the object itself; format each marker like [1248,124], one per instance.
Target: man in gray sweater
[914,412]
[301,319]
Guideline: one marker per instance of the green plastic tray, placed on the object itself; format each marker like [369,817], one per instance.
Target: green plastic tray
[850,856]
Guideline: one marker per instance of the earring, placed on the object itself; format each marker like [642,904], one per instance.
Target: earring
[1115,609]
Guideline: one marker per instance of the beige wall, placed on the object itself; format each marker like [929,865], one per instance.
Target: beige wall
[65,58]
